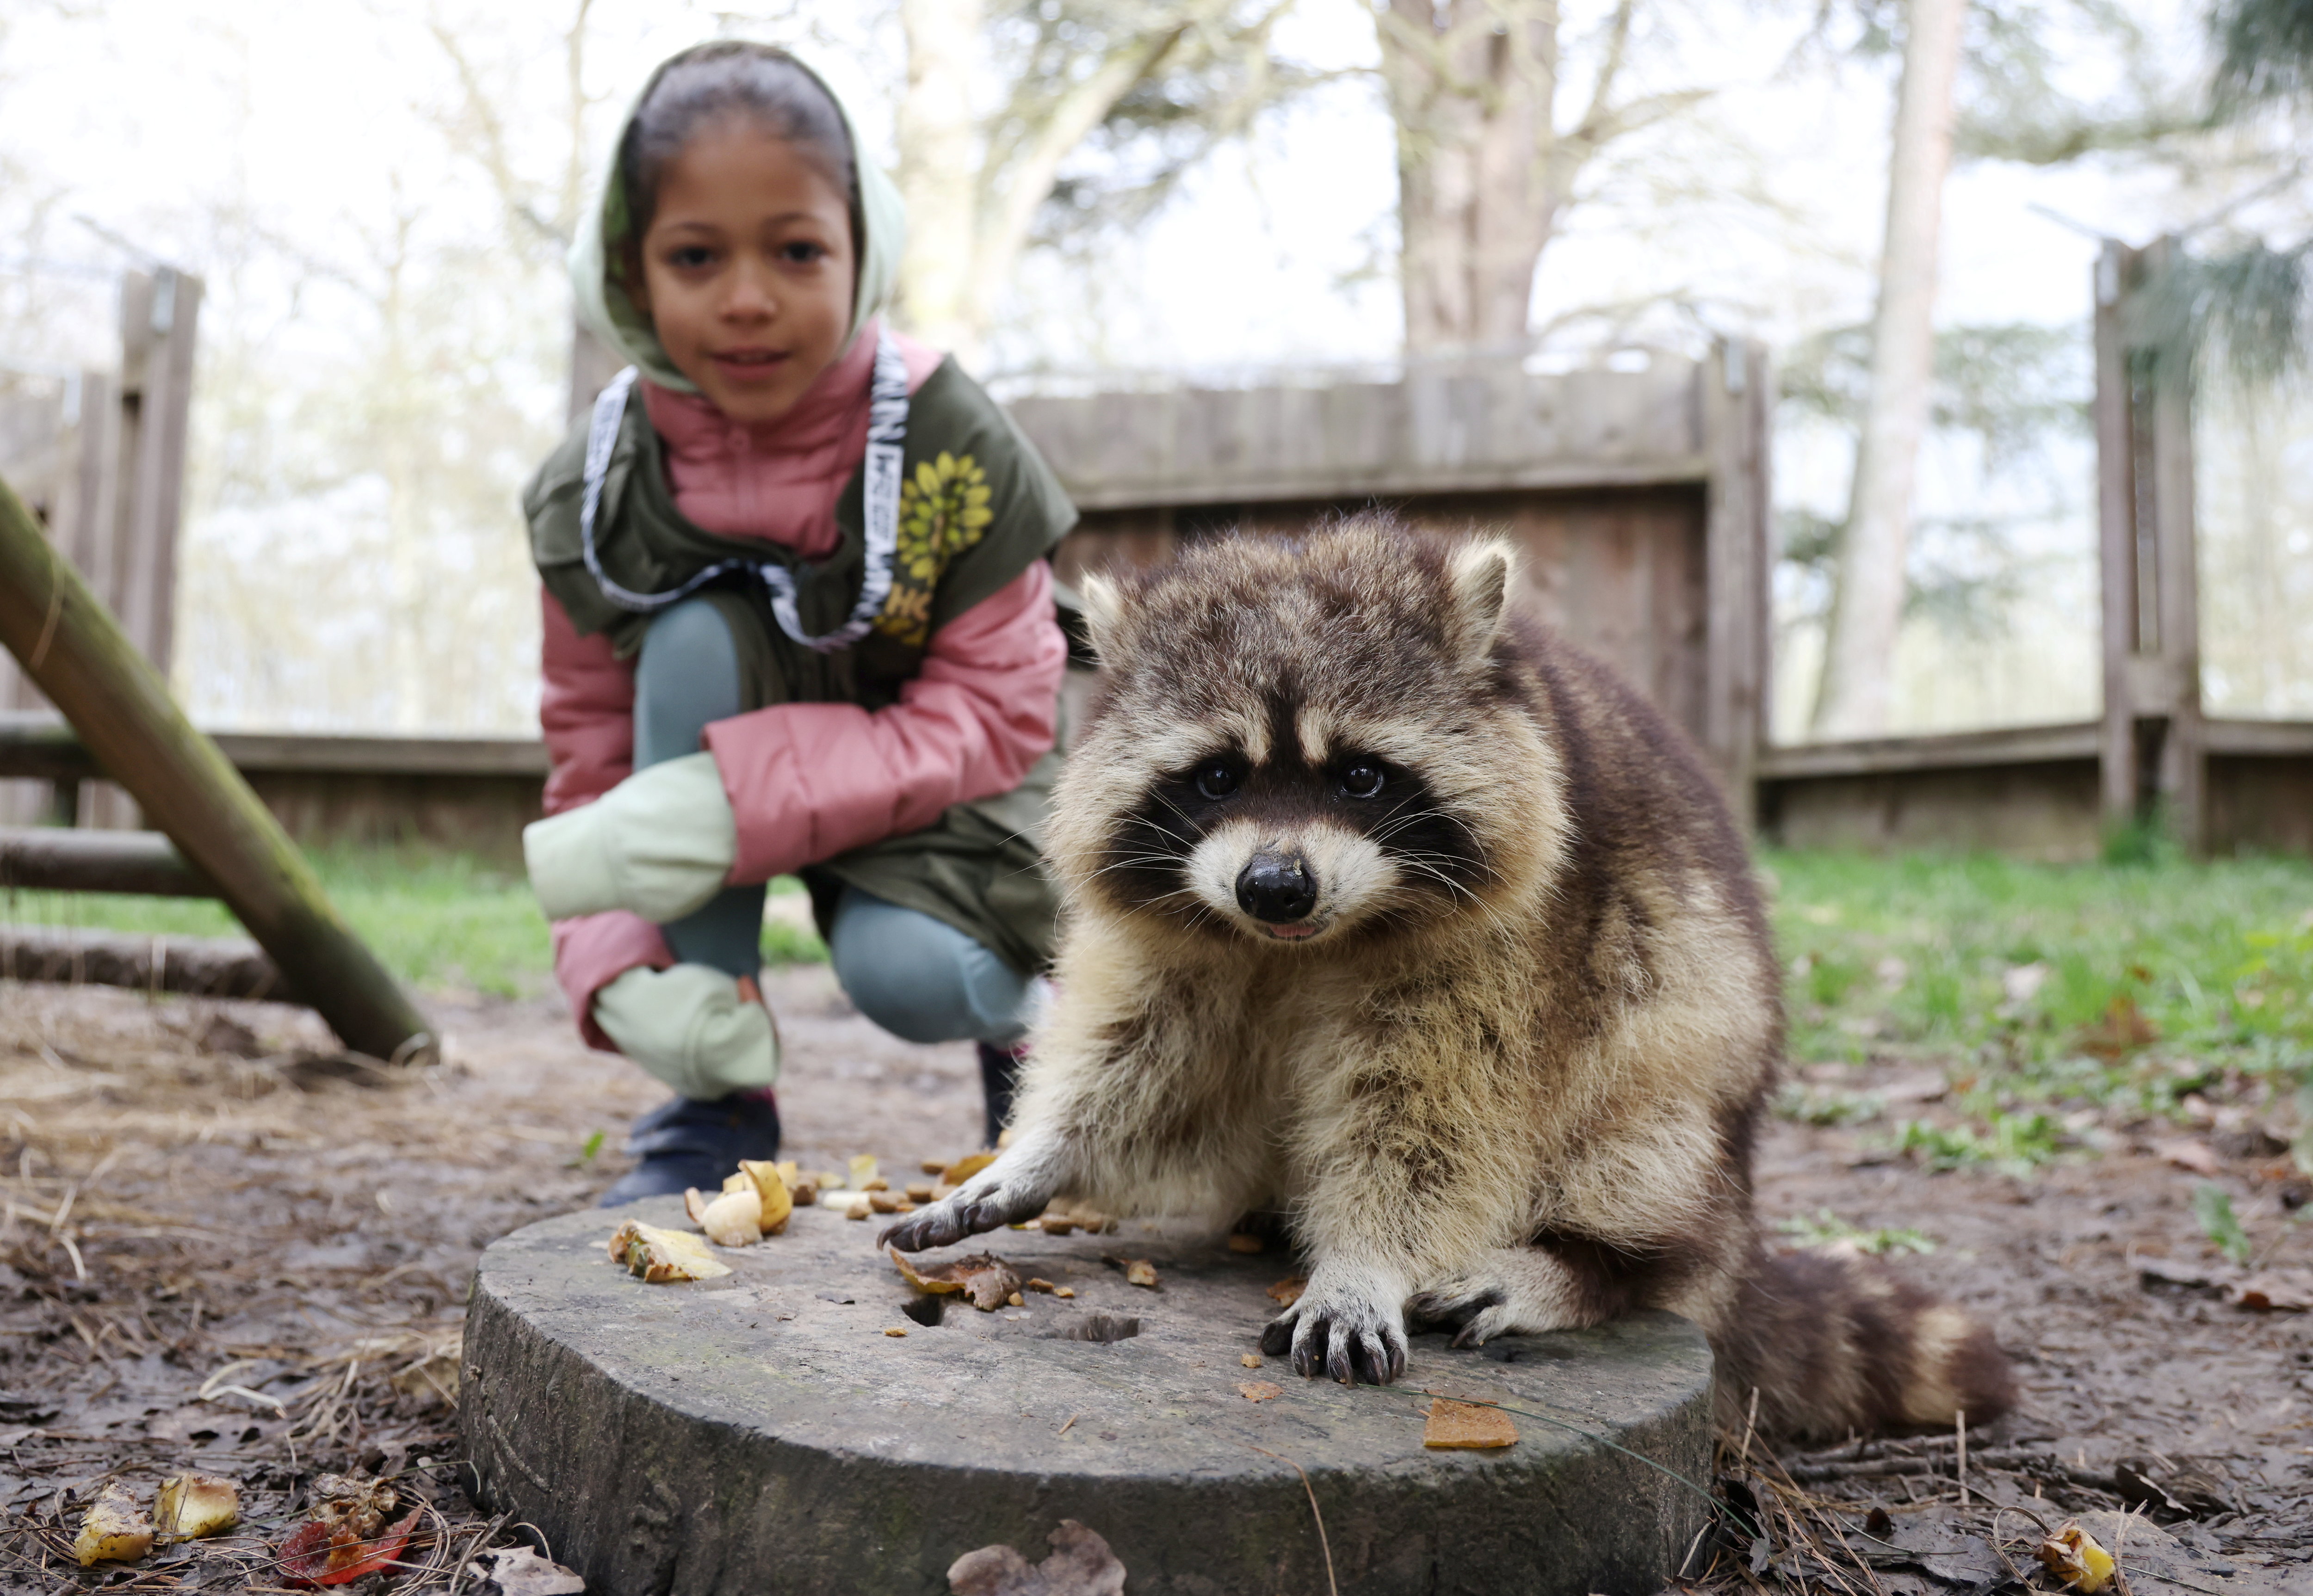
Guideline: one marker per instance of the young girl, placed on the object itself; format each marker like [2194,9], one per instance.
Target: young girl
[798,618]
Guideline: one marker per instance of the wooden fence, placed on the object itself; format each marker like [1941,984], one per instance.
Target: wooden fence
[100,458]
[1642,498]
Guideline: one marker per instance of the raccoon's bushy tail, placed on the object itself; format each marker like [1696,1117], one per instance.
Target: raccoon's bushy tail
[1839,1344]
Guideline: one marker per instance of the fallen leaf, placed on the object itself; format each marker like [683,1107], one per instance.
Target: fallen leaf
[2073,1556]
[2122,1029]
[2161,1271]
[984,1278]
[659,1256]
[2190,1153]
[191,1505]
[734,1219]
[521,1571]
[1138,1271]
[1286,1293]
[964,1169]
[1241,1242]
[1260,1390]
[1465,1425]
[2275,1291]
[1251,1360]
[319,1554]
[1081,1564]
[114,1529]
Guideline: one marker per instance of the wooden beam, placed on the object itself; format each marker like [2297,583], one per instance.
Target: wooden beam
[194,966]
[1950,750]
[42,747]
[2116,269]
[77,655]
[54,859]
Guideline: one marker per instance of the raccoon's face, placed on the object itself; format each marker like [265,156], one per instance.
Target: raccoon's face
[1300,741]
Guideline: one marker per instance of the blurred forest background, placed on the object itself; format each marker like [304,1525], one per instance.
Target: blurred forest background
[379,194]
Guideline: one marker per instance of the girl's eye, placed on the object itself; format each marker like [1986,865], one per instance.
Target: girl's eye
[1363,779]
[1217,779]
[804,254]
[690,257]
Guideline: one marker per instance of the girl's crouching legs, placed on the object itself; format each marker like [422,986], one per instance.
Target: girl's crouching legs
[924,981]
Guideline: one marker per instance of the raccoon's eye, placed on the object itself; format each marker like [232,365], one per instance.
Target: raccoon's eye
[1216,779]
[1363,779]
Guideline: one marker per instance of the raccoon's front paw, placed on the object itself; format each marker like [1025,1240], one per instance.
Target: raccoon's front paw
[1350,1329]
[1474,1309]
[1510,1291]
[989,1201]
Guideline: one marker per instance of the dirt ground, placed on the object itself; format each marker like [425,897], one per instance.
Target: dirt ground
[222,1251]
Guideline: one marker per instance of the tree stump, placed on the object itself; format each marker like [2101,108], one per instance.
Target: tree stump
[762,1433]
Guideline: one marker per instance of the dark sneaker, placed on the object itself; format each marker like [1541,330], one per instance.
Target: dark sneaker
[999,1067]
[684,1142]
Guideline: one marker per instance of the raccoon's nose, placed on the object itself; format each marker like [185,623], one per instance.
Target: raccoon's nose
[1277,890]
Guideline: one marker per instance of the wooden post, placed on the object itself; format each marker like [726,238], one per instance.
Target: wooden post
[2154,751]
[1738,409]
[77,654]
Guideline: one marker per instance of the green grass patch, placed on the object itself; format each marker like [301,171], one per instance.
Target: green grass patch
[1826,1229]
[439,920]
[2123,986]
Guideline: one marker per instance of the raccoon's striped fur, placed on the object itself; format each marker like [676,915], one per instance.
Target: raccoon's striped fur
[1391,909]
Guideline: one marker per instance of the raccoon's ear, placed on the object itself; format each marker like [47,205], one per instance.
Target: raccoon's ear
[1103,608]
[1479,575]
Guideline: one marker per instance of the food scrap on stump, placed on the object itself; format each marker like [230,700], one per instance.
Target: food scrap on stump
[659,1256]
[1466,1425]
[987,1281]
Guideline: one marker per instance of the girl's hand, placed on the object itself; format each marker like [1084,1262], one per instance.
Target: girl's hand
[660,844]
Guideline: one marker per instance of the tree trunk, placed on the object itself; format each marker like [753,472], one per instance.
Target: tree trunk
[939,171]
[1471,84]
[1854,695]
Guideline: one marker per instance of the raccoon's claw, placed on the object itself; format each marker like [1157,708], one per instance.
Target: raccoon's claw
[1349,1340]
[962,1213]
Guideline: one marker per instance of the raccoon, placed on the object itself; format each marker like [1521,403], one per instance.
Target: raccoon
[1390,908]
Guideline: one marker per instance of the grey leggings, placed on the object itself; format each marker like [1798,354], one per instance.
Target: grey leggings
[918,978]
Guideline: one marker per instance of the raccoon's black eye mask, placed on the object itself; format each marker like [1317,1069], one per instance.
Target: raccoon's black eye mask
[1353,776]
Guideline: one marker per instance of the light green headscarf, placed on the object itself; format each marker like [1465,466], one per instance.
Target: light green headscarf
[606,312]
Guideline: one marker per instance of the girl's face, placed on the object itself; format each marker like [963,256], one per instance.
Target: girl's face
[747,269]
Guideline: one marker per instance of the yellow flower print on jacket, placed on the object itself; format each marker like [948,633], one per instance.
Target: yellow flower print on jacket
[942,512]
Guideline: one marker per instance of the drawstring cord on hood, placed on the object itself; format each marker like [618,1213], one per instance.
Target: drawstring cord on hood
[887,433]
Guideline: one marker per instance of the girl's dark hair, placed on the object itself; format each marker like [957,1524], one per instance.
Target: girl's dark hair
[728,78]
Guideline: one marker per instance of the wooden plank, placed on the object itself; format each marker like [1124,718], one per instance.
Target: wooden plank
[44,747]
[195,966]
[1736,396]
[80,659]
[54,859]
[2184,754]
[1445,427]
[2251,739]
[2006,745]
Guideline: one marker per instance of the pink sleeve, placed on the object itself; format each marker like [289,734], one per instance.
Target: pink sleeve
[586,709]
[810,781]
